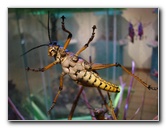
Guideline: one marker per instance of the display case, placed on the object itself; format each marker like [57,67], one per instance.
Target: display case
[33,92]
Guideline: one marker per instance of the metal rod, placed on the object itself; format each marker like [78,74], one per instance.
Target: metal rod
[114,45]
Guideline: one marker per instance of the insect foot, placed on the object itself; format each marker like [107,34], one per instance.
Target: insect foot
[41,69]
[49,111]
[63,17]
[152,88]
[34,70]
[118,65]
[94,27]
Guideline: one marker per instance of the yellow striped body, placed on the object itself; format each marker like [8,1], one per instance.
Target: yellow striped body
[91,79]
[80,72]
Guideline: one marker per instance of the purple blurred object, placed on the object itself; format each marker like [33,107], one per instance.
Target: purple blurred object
[15,109]
[131,32]
[140,30]
[129,91]
[121,92]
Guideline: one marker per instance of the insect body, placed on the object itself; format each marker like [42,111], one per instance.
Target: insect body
[80,71]
[77,68]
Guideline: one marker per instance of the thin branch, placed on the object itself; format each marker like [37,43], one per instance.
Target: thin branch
[111,110]
[129,92]
[75,103]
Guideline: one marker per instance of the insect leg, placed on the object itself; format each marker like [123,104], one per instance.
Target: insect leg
[96,66]
[60,89]
[69,36]
[102,66]
[87,44]
[42,69]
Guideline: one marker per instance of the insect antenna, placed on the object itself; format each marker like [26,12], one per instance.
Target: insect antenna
[49,37]
[48,29]
[48,26]
[34,48]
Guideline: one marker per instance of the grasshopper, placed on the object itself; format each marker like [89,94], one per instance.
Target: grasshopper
[81,71]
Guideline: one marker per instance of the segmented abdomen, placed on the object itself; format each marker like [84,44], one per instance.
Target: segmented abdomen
[92,79]
[81,73]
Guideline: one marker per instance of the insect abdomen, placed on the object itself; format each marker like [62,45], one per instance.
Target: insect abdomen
[92,79]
